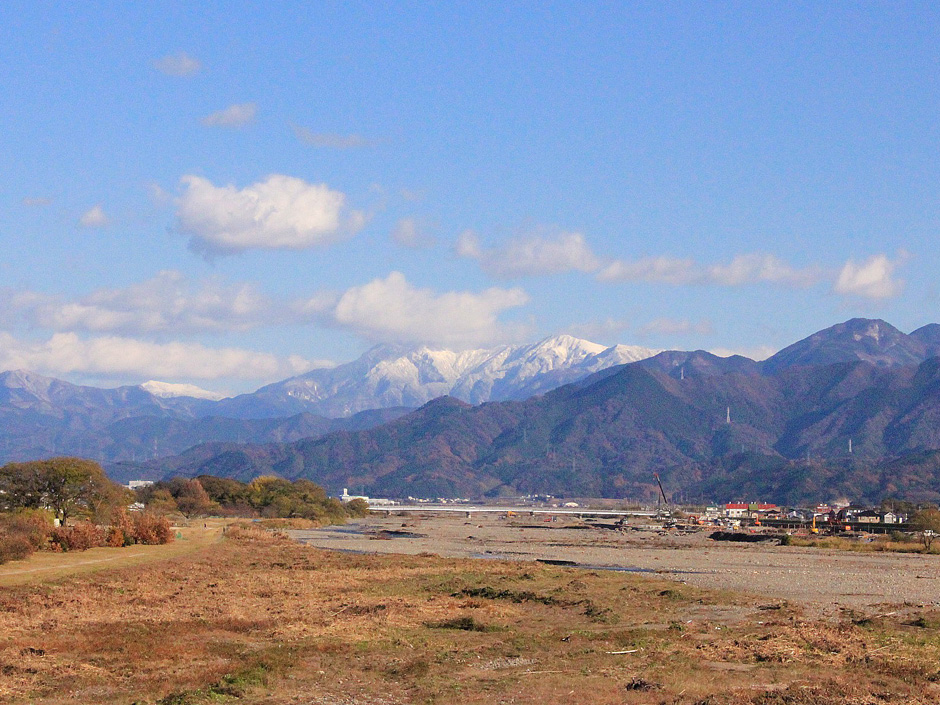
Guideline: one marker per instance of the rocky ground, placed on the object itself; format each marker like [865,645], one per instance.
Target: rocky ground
[826,580]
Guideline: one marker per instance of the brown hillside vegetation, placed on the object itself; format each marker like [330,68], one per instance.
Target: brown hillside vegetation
[260,619]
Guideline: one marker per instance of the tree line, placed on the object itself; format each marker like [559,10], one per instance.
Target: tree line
[69,504]
[265,497]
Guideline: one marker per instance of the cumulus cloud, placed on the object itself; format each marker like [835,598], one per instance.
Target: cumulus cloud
[412,233]
[169,304]
[872,279]
[166,303]
[743,269]
[392,310]
[181,64]
[67,353]
[530,255]
[237,115]
[330,140]
[659,270]
[281,212]
[754,268]
[94,217]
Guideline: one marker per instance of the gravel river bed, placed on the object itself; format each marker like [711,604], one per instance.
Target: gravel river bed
[825,580]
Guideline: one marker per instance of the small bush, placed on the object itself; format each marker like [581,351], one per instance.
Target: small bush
[23,532]
[121,532]
[79,536]
[151,529]
[14,548]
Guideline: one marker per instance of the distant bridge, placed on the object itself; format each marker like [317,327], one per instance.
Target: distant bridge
[531,511]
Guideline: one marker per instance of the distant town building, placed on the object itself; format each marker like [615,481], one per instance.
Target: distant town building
[135,484]
[752,510]
[371,501]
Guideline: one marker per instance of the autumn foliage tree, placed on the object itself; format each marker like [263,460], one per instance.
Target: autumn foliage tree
[192,499]
[68,487]
[267,496]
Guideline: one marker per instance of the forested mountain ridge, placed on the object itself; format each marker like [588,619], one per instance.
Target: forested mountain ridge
[606,435]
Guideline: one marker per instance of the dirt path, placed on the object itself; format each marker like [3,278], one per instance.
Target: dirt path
[51,566]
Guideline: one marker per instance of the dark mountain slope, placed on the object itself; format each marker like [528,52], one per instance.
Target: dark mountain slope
[606,435]
[873,341]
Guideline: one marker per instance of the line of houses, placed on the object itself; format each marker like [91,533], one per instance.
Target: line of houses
[824,513]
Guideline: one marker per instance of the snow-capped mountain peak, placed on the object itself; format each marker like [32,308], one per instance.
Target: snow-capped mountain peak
[397,376]
[169,390]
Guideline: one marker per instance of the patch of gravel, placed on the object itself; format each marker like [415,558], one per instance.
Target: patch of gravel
[498,664]
[825,579]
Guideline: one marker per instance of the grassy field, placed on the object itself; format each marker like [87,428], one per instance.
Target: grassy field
[50,566]
[257,618]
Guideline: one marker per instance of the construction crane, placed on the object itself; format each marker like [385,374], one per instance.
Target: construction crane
[665,511]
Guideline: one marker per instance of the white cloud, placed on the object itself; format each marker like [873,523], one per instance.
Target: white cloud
[281,212]
[744,269]
[754,268]
[669,326]
[94,217]
[531,255]
[412,233]
[36,201]
[66,353]
[872,279]
[167,303]
[237,115]
[392,310]
[181,64]
[659,270]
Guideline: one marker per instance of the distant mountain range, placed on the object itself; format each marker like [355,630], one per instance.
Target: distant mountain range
[40,416]
[792,418]
[563,416]
[389,376]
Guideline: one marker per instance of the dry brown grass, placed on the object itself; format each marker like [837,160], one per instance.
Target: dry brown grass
[878,544]
[46,565]
[260,619]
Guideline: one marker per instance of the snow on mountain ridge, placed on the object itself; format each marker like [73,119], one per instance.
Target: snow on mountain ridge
[395,376]
[169,390]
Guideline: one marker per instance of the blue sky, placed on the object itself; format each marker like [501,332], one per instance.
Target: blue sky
[230,194]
